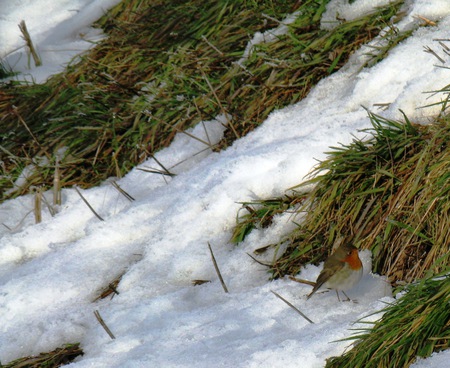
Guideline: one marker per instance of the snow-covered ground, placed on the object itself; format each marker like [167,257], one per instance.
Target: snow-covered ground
[51,273]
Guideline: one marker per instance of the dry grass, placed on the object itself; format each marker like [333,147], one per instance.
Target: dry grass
[53,359]
[165,67]
[416,326]
[388,193]
[168,65]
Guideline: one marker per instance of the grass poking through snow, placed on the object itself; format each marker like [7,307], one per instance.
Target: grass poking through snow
[164,67]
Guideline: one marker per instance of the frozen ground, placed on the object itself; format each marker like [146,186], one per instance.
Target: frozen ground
[51,273]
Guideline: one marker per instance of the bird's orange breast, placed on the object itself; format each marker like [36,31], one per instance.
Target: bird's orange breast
[353,260]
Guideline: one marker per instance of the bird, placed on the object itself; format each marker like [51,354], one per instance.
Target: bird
[341,271]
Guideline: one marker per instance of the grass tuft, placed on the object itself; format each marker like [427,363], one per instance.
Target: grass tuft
[417,325]
[389,193]
[53,359]
[259,214]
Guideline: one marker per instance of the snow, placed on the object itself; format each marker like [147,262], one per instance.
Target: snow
[267,37]
[51,273]
[437,360]
[60,30]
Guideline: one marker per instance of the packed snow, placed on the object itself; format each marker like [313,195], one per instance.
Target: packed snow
[60,29]
[52,273]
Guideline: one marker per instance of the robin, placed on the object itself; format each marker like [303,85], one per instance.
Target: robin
[341,271]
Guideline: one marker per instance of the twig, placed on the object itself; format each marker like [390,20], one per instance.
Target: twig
[179,130]
[50,208]
[199,282]
[219,103]
[6,226]
[302,281]
[164,170]
[121,191]
[103,324]
[382,106]
[192,156]
[258,261]
[57,185]
[444,46]
[27,38]
[211,45]
[291,305]
[429,50]
[156,171]
[38,206]
[16,112]
[162,166]
[217,269]
[87,204]
[19,224]
[271,18]
[427,21]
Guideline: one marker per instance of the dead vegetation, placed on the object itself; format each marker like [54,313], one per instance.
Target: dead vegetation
[390,193]
[164,67]
[158,75]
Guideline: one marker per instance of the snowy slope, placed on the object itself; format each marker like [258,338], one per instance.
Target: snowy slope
[51,273]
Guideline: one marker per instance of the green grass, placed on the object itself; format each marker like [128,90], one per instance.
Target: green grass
[259,214]
[415,326]
[390,193]
[165,67]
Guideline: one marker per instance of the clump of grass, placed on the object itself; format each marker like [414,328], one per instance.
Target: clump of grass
[417,325]
[259,214]
[53,359]
[165,67]
[5,71]
[388,193]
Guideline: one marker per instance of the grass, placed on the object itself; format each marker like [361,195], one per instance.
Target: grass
[388,193]
[259,214]
[164,67]
[53,359]
[417,325]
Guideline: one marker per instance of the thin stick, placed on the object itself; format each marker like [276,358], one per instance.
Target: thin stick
[38,206]
[291,305]
[16,112]
[103,324]
[121,191]
[156,171]
[57,185]
[426,20]
[180,130]
[160,164]
[27,38]
[188,158]
[50,208]
[87,204]
[432,52]
[219,103]
[212,46]
[302,281]
[444,46]
[258,261]
[217,269]
[20,223]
